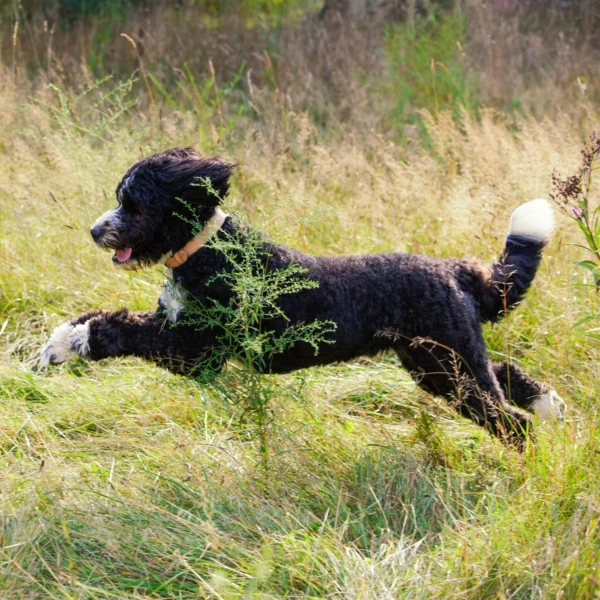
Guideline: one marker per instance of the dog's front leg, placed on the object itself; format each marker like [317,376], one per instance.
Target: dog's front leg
[69,339]
[102,334]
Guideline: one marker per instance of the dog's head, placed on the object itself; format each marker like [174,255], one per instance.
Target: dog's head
[161,200]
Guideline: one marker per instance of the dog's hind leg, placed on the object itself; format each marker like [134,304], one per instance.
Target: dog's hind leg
[525,392]
[102,334]
[469,383]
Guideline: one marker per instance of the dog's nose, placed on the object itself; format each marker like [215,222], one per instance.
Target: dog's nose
[96,232]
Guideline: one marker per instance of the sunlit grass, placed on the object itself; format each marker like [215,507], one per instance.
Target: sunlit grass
[120,480]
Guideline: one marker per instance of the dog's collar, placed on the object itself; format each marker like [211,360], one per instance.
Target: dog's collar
[214,224]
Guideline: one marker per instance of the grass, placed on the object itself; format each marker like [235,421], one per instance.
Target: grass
[120,480]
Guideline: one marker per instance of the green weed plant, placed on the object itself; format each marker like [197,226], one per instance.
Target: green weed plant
[573,196]
[243,336]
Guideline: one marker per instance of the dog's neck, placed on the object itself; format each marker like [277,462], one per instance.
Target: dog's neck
[200,239]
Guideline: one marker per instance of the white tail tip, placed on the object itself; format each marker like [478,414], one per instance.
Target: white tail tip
[534,219]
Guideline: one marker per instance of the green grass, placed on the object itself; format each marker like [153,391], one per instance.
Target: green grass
[426,69]
[120,480]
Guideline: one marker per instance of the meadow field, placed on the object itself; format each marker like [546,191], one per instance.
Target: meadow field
[121,480]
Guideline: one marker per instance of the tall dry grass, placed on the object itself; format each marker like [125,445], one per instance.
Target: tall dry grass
[120,480]
[329,62]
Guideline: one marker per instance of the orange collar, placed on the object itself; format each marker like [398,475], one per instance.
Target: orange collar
[214,224]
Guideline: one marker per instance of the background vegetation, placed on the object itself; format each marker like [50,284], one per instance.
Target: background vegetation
[358,127]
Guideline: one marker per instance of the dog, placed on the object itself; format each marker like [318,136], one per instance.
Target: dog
[428,311]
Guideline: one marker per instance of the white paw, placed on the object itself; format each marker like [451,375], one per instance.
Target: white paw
[66,341]
[550,406]
[58,348]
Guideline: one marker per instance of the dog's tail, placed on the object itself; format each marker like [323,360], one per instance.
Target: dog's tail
[508,279]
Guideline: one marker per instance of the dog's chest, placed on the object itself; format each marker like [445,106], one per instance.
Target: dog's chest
[172,298]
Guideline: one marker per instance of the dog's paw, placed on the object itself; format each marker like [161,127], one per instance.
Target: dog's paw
[58,348]
[550,406]
[66,341]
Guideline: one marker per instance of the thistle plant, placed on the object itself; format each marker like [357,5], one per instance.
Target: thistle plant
[573,196]
[243,339]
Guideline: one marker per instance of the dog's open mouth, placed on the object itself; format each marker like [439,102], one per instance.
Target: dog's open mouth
[122,255]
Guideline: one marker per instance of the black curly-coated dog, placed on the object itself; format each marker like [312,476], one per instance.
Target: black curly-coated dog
[429,311]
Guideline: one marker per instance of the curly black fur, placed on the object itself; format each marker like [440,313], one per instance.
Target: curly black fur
[429,311]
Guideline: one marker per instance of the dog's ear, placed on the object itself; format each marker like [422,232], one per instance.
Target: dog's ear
[209,182]
[187,175]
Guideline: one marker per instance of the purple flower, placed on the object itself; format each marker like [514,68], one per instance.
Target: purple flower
[577,213]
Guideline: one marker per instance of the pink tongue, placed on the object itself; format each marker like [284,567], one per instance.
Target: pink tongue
[123,255]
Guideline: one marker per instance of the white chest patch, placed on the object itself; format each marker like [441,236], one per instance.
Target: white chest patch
[172,299]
